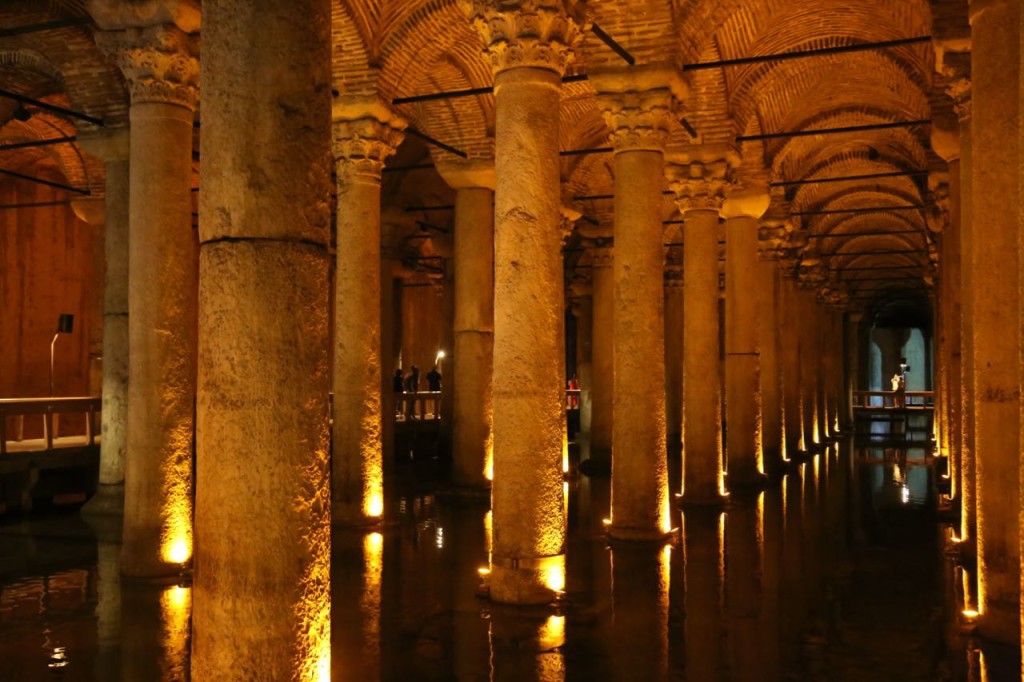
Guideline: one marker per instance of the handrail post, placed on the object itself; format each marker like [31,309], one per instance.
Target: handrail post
[48,426]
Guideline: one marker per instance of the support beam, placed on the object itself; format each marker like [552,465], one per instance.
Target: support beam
[610,42]
[847,178]
[841,49]
[470,92]
[834,131]
[873,209]
[37,143]
[437,143]
[50,107]
[41,181]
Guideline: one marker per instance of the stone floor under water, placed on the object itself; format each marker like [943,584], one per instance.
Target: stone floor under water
[836,573]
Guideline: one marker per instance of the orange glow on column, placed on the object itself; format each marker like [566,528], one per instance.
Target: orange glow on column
[553,572]
[176,537]
[313,610]
[489,460]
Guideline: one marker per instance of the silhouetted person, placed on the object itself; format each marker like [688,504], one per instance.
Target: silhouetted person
[412,385]
[397,387]
[434,385]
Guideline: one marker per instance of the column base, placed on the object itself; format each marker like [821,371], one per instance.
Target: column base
[748,484]
[689,500]
[1000,623]
[527,581]
[108,501]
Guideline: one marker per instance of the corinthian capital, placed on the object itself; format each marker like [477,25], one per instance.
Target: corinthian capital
[701,176]
[364,133]
[160,63]
[637,104]
[526,33]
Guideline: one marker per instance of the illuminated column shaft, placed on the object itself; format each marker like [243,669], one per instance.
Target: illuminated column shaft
[768,330]
[674,343]
[637,105]
[474,319]
[528,558]
[789,322]
[162,71]
[995,29]
[604,351]
[809,361]
[742,349]
[261,607]
[112,148]
[700,190]
[584,311]
[968,470]
[365,133]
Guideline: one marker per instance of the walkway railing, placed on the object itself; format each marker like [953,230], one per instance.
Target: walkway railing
[884,399]
[418,405]
[15,413]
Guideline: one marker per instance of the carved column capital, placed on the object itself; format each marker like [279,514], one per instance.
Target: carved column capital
[160,63]
[702,176]
[364,133]
[601,256]
[638,105]
[526,33]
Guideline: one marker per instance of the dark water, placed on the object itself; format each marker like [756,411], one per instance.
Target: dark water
[835,573]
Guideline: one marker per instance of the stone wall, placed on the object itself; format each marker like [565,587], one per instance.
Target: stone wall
[48,270]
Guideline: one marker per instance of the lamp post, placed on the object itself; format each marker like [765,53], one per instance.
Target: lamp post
[65,325]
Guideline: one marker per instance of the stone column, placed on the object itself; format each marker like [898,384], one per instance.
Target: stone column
[604,350]
[112,148]
[852,351]
[637,106]
[743,441]
[674,343]
[528,48]
[365,132]
[946,143]
[769,334]
[789,322]
[809,365]
[473,182]
[995,30]
[583,308]
[261,602]
[699,187]
[159,62]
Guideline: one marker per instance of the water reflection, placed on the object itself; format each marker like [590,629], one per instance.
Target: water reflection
[837,563]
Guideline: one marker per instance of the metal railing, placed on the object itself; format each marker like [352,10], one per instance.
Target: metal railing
[15,411]
[912,399]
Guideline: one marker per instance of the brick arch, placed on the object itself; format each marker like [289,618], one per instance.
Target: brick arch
[643,27]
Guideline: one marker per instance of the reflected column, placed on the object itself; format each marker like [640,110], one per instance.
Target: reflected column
[365,133]
[704,574]
[161,66]
[744,559]
[640,603]
[529,401]
[473,182]
[995,32]
[262,583]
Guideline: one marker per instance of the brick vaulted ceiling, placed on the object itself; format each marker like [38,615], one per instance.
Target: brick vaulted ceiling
[398,48]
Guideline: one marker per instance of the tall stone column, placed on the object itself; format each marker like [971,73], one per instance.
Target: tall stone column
[995,30]
[674,343]
[604,352]
[261,603]
[789,322]
[160,64]
[474,183]
[769,335]
[528,47]
[365,132]
[743,441]
[583,309]
[91,211]
[637,106]
[112,147]
[699,188]
[809,366]
[852,364]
